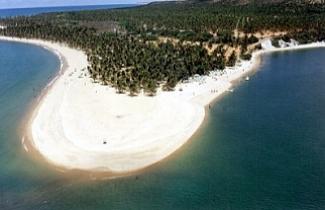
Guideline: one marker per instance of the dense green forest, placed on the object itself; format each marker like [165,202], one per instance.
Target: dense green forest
[160,44]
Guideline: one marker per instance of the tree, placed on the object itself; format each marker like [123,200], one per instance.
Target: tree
[151,87]
[232,59]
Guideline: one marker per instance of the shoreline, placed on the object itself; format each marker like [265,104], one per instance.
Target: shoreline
[68,145]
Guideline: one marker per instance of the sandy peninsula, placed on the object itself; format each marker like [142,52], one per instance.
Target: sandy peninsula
[83,125]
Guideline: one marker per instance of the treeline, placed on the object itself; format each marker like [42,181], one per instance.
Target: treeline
[158,45]
[125,61]
[200,21]
[129,64]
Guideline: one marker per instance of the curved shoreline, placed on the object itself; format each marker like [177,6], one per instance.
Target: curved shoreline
[172,119]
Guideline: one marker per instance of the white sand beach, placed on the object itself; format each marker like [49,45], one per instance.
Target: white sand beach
[83,125]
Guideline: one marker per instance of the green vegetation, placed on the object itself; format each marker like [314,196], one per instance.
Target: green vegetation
[275,42]
[158,45]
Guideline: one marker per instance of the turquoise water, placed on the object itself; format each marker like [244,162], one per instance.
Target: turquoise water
[263,146]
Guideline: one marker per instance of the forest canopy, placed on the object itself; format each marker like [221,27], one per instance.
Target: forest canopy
[159,45]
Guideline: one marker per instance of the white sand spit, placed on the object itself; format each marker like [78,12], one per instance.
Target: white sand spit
[76,116]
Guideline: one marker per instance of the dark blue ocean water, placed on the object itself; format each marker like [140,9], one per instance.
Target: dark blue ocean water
[39,10]
[262,147]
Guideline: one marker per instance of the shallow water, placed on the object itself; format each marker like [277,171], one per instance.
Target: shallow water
[263,146]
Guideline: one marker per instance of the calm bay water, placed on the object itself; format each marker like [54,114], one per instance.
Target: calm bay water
[263,146]
[34,11]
